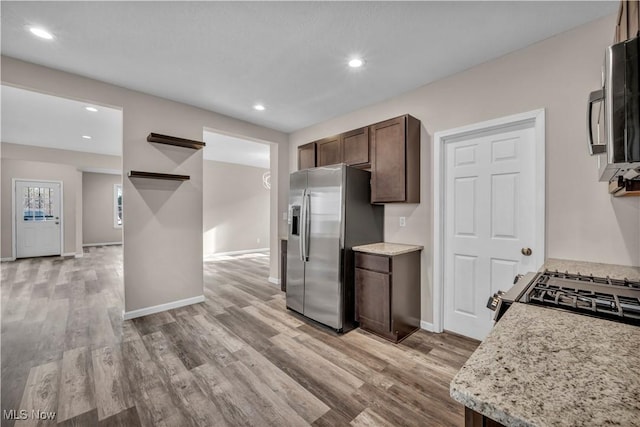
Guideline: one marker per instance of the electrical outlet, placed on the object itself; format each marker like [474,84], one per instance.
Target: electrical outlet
[403,221]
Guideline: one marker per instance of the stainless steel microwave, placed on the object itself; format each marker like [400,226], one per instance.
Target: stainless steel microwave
[619,147]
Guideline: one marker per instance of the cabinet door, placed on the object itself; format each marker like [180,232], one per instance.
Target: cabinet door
[329,151]
[388,165]
[373,300]
[355,147]
[307,156]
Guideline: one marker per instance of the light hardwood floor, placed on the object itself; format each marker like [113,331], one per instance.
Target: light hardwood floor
[240,358]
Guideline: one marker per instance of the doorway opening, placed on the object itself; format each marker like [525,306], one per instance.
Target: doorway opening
[37,211]
[239,194]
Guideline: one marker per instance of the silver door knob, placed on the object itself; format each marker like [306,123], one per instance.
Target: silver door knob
[526,251]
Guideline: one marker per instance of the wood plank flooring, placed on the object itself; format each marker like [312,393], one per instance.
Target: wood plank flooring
[239,358]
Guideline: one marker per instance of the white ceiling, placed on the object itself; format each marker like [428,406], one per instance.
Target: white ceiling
[32,118]
[223,148]
[291,56]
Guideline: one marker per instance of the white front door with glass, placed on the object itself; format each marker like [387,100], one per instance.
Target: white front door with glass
[38,219]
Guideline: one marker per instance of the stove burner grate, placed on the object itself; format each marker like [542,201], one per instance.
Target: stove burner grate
[597,296]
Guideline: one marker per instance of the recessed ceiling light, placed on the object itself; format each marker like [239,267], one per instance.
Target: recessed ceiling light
[258,107]
[356,62]
[42,33]
[92,109]
[86,136]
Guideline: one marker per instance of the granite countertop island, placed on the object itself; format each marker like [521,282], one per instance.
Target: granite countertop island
[547,367]
[389,249]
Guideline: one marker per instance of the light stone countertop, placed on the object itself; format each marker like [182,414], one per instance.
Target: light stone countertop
[547,367]
[389,249]
[596,269]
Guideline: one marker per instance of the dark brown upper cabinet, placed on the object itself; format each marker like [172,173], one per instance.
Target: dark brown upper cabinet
[395,160]
[390,149]
[329,151]
[355,147]
[307,156]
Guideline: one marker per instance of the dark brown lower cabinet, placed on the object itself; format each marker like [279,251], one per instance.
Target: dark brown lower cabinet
[388,294]
[476,419]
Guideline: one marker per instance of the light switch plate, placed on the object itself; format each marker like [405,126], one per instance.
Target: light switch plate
[403,221]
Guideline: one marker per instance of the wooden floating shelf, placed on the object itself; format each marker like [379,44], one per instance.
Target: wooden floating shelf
[155,175]
[173,140]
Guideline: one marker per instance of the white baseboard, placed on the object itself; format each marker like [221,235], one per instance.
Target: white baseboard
[426,326]
[87,245]
[246,251]
[8,259]
[128,315]
[274,280]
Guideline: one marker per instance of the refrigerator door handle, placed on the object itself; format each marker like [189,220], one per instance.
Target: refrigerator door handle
[303,219]
[306,202]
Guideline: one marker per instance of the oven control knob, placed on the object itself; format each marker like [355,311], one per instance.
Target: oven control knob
[494,300]
[526,251]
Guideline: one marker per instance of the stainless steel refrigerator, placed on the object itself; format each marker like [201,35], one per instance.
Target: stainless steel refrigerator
[329,213]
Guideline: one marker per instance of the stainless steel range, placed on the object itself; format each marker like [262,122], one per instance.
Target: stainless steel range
[613,299]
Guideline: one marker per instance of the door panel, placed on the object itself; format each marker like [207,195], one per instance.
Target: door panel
[504,205]
[355,147]
[389,162]
[38,221]
[488,213]
[373,293]
[307,156]
[295,265]
[329,151]
[464,285]
[323,275]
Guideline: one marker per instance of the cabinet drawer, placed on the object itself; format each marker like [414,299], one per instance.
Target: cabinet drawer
[373,262]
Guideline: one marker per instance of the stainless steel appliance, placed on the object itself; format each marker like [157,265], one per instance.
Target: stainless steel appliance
[329,213]
[620,97]
[603,297]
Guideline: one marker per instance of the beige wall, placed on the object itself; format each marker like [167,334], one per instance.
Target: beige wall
[71,189]
[98,209]
[56,161]
[582,221]
[163,221]
[236,208]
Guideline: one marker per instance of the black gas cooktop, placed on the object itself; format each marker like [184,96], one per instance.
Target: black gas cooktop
[596,296]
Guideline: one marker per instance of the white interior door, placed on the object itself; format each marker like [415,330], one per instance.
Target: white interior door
[38,219]
[490,220]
